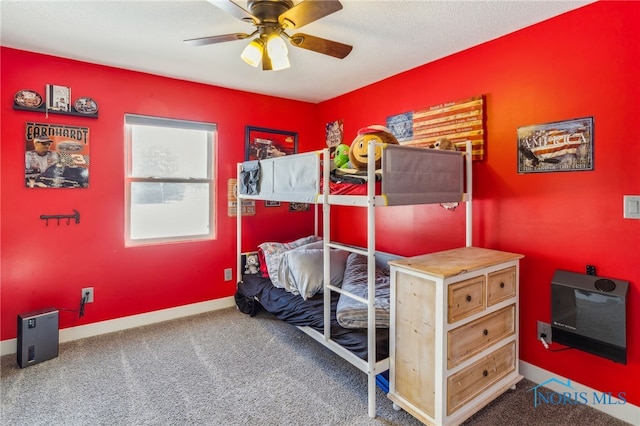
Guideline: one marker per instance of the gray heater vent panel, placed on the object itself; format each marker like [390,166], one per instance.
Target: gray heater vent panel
[38,337]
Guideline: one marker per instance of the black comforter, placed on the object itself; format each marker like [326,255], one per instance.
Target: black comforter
[294,310]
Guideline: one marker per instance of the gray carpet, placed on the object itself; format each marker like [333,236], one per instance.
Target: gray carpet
[223,368]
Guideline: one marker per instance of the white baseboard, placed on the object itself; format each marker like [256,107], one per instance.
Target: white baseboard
[9,346]
[619,409]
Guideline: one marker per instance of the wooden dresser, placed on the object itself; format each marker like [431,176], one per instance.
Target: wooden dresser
[453,332]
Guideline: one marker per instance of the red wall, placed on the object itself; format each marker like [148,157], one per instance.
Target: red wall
[48,266]
[583,63]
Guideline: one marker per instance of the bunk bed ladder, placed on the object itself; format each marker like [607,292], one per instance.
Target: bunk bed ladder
[371,268]
[372,368]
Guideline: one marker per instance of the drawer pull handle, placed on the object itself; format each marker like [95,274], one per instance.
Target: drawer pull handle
[468,298]
[485,373]
[485,332]
[501,285]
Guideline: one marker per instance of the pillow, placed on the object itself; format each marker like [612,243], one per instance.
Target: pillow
[273,251]
[282,276]
[357,269]
[314,245]
[351,313]
[301,270]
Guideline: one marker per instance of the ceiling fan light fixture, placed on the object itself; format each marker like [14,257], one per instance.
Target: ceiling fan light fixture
[278,52]
[276,46]
[271,18]
[280,63]
[252,54]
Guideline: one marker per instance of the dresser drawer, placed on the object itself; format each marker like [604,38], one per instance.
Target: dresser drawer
[465,298]
[467,340]
[501,285]
[471,381]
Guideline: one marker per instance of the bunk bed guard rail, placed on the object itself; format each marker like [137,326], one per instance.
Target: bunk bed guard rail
[410,176]
[292,178]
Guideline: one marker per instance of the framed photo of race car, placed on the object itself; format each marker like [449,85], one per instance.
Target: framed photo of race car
[261,143]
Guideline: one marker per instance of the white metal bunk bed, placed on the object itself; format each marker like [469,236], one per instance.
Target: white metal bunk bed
[450,180]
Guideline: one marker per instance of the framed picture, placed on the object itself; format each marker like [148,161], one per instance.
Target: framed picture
[58,98]
[263,143]
[334,133]
[561,146]
[56,156]
[247,207]
[459,121]
[298,207]
[272,203]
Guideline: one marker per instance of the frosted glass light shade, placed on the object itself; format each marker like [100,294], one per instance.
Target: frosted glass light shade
[252,54]
[277,50]
[280,63]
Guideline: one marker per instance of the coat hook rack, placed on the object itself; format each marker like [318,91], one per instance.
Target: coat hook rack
[75,216]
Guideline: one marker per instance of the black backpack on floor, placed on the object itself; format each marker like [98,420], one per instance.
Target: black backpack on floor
[247,304]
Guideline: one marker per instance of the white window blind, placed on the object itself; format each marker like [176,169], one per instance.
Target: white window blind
[169,179]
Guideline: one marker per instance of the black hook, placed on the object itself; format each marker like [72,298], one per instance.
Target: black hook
[75,216]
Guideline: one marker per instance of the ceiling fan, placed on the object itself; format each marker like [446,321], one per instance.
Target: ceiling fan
[271,18]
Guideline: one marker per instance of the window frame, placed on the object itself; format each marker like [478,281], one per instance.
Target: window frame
[131,120]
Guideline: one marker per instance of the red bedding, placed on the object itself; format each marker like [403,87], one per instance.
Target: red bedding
[350,188]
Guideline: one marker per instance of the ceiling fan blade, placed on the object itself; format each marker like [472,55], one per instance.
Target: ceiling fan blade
[236,11]
[216,39]
[321,45]
[308,11]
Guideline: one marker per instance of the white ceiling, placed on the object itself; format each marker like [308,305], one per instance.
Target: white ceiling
[388,37]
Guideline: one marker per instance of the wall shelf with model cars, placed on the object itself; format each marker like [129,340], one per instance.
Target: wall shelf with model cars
[58,101]
[52,111]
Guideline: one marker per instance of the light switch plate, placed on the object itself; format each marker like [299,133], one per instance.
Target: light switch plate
[631,206]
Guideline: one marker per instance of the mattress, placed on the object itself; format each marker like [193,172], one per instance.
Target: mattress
[294,310]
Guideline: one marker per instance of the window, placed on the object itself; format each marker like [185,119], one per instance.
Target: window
[169,180]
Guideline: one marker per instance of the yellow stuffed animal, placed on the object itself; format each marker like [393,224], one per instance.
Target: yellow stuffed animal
[359,149]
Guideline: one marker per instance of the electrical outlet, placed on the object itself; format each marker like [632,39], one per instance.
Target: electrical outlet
[90,295]
[544,328]
[228,274]
[591,270]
